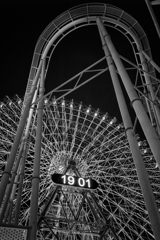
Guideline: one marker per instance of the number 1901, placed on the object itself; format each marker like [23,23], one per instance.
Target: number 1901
[76,181]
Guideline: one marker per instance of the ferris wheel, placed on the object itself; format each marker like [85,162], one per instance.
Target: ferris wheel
[99,148]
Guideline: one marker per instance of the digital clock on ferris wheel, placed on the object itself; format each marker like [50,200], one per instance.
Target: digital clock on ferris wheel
[74,181]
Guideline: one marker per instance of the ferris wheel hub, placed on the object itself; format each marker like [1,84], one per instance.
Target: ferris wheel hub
[71,163]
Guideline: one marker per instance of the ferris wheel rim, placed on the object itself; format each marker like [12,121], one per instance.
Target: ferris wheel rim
[117,174]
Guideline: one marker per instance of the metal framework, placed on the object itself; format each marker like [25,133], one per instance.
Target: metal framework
[149,5]
[143,89]
[84,217]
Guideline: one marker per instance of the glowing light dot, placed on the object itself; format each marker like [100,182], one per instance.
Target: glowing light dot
[95,114]
[156,165]
[88,110]
[60,168]
[139,143]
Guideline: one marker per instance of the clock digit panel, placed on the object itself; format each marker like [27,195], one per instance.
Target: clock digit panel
[74,181]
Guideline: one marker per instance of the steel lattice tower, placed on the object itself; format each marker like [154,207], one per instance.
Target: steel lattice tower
[58,136]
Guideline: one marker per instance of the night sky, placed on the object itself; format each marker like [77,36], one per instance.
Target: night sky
[22,22]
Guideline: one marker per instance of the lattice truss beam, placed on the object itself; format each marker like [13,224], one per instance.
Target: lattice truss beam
[136,72]
[72,212]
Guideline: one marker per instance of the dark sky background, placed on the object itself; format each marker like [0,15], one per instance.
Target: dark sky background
[22,22]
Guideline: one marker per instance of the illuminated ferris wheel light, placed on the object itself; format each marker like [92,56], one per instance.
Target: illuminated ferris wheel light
[96,114]
[46,101]
[140,143]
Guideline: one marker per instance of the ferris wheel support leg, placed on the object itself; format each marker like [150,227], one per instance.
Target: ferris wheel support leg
[37,157]
[138,160]
[145,123]
[10,161]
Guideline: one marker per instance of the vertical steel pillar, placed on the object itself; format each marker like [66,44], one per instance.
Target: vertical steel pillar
[153,17]
[37,157]
[22,165]
[151,61]
[148,130]
[138,160]
[10,161]
[19,195]
[155,108]
[21,177]
[14,174]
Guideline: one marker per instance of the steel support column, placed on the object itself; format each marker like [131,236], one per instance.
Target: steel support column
[153,17]
[37,157]
[138,160]
[10,161]
[21,177]
[151,62]
[151,91]
[14,174]
[148,130]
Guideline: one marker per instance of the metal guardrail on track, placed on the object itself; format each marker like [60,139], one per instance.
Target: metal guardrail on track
[80,16]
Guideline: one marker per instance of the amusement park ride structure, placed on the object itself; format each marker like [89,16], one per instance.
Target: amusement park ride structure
[73,211]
